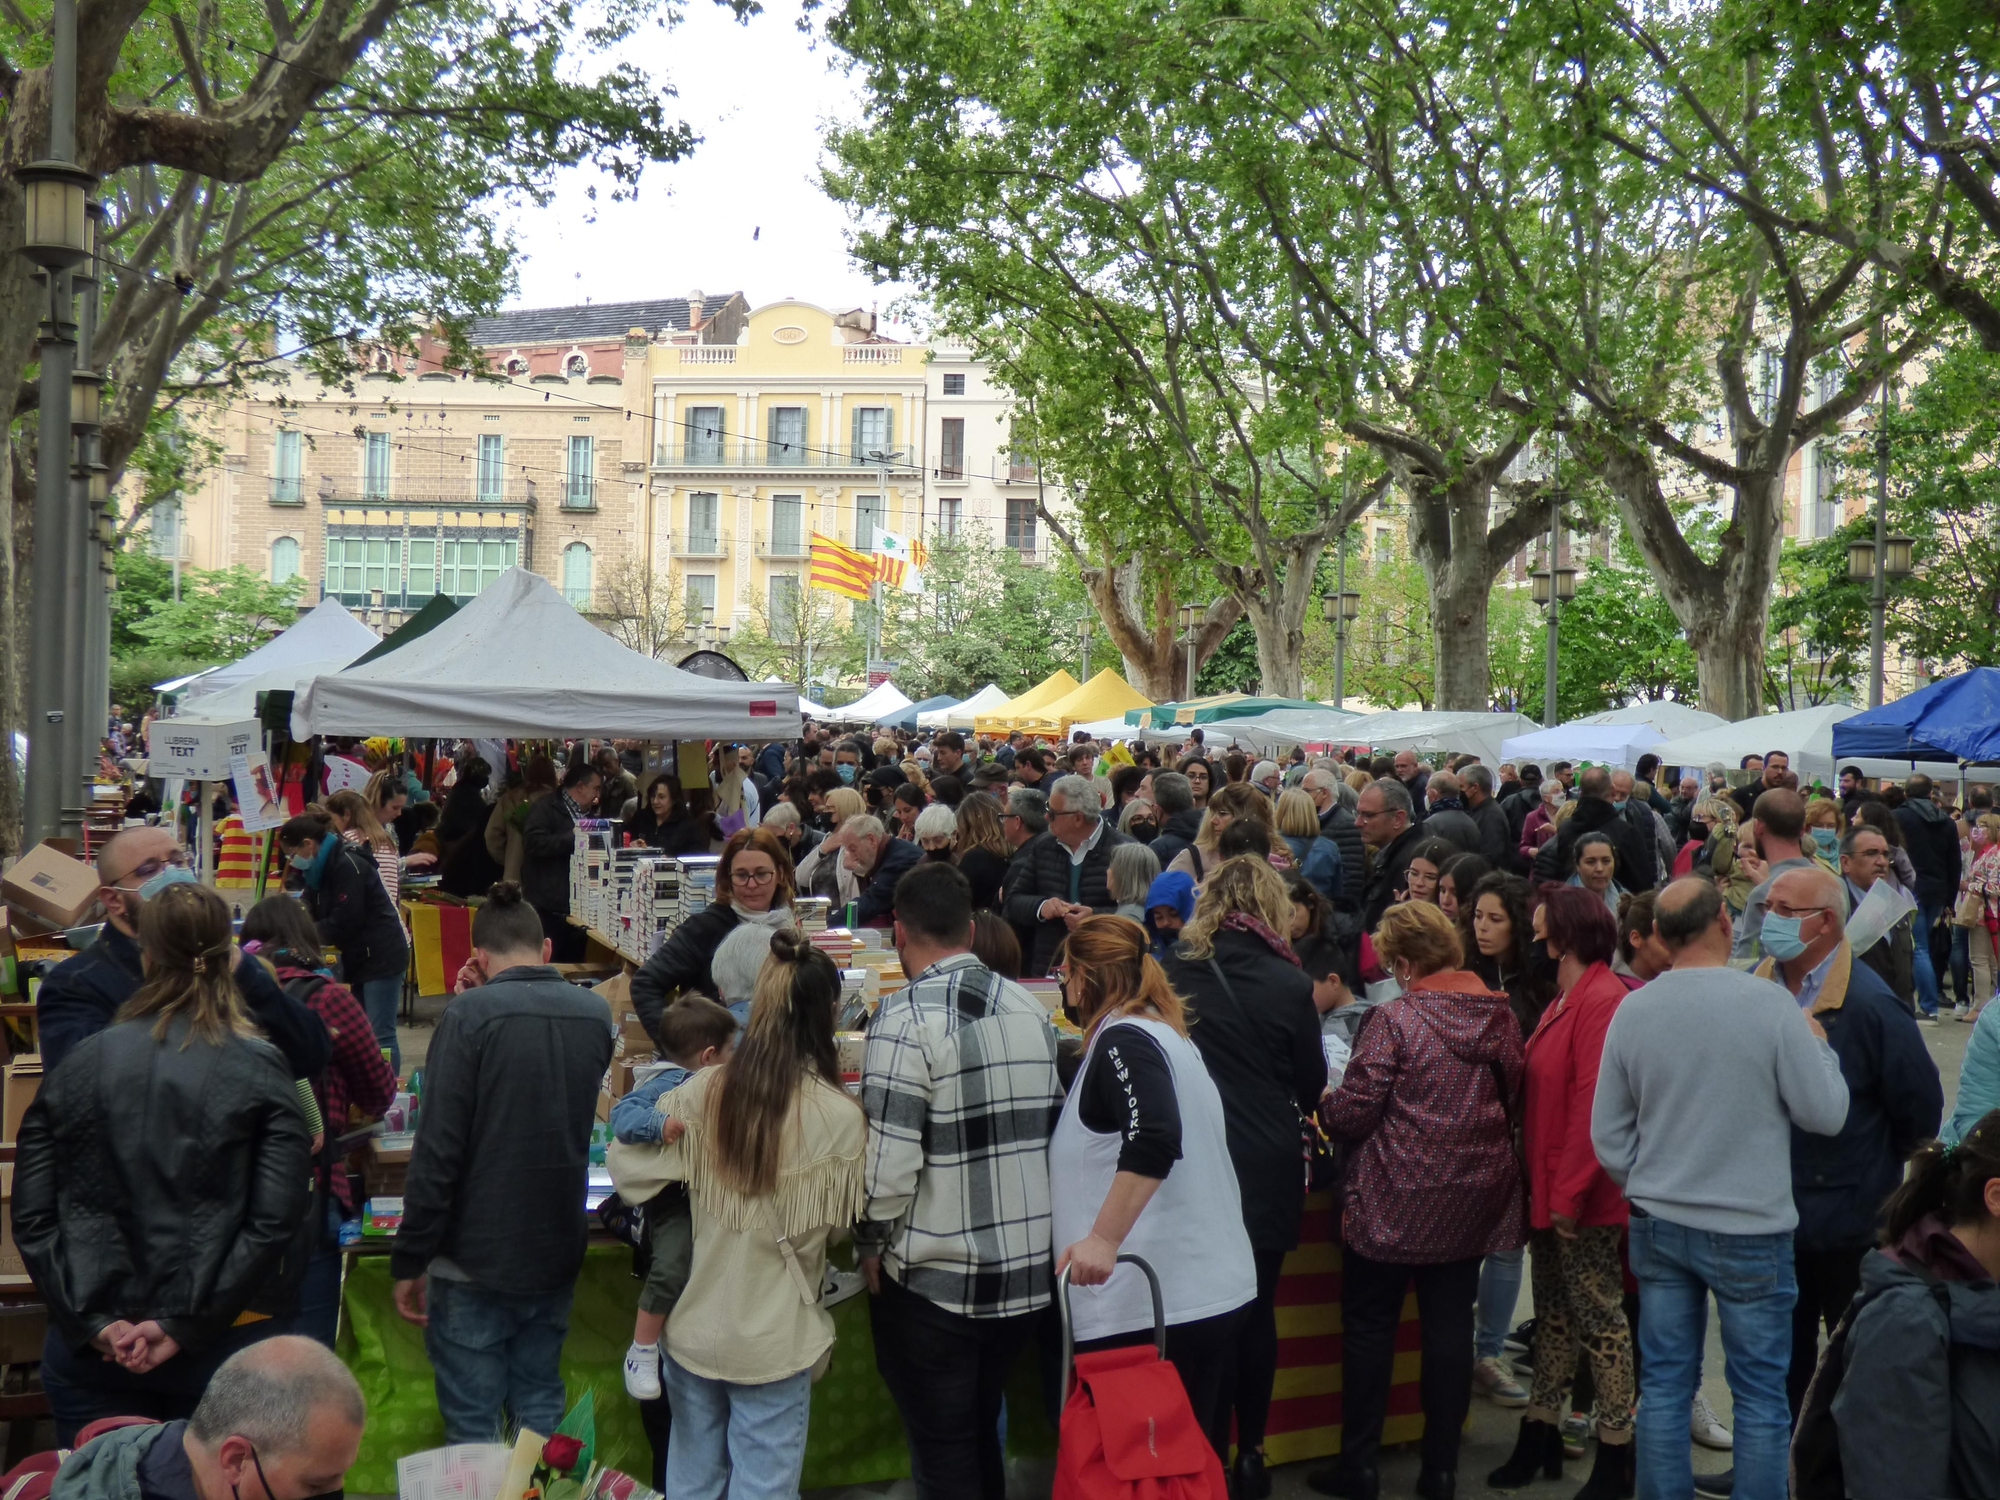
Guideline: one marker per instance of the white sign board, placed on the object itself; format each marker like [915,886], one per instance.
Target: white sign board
[201,752]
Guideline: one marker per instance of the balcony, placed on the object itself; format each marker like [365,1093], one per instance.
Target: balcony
[580,493]
[785,457]
[288,491]
[784,548]
[708,354]
[701,546]
[872,354]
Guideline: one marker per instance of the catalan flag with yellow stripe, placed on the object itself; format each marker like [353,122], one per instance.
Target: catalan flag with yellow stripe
[841,570]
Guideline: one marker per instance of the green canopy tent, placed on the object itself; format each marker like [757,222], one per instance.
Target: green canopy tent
[423,622]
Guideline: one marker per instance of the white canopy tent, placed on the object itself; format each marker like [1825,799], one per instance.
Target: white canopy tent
[1669,718]
[518,661]
[1429,732]
[1805,735]
[961,715]
[875,704]
[326,633]
[1283,726]
[1581,740]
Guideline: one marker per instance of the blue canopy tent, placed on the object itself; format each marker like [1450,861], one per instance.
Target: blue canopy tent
[906,718]
[1955,720]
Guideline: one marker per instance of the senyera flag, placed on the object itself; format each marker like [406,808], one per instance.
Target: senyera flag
[841,570]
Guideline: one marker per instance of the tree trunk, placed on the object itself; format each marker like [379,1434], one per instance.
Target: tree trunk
[1142,615]
[1277,609]
[1460,593]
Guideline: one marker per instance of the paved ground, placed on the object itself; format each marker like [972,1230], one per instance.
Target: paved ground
[1490,1434]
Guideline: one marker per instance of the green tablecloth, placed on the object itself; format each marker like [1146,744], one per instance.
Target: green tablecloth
[855,1437]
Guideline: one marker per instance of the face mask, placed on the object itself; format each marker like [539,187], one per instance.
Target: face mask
[845,771]
[1780,937]
[1698,831]
[1145,833]
[172,875]
[1827,838]
[302,861]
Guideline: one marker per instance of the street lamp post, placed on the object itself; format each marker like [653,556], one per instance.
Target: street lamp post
[1553,587]
[1191,618]
[1340,610]
[1083,648]
[1881,559]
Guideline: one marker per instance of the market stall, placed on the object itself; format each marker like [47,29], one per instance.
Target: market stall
[964,715]
[1005,717]
[1105,696]
[325,633]
[1806,736]
[1581,741]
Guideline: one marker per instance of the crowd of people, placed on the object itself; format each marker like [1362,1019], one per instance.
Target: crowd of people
[1402,983]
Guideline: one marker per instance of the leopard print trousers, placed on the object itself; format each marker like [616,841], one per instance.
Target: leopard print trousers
[1579,1308]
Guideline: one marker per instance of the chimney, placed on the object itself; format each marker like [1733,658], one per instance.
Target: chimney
[696,301]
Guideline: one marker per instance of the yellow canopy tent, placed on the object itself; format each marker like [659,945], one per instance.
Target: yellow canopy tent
[1105,696]
[1014,710]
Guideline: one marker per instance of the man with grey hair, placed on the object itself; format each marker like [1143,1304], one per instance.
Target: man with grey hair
[737,963]
[1068,874]
[1447,817]
[1025,820]
[1895,1101]
[1383,817]
[874,856]
[1496,845]
[1266,777]
[1336,822]
[279,1420]
[1180,819]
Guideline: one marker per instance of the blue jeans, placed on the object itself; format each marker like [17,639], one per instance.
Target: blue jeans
[382,998]
[1929,995]
[1755,1290]
[1961,963]
[746,1441]
[319,1289]
[496,1357]
[1499,1291]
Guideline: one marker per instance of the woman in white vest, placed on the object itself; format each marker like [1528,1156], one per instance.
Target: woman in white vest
[1139,1163]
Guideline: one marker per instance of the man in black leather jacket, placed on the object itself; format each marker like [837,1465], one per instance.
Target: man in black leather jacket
[494,1225]
[547,841]
[85,992]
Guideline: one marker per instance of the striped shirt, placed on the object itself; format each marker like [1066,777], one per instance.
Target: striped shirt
[959,1085]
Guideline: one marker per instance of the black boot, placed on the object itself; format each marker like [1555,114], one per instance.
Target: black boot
[1437,1484]
[1538,1454]
[1345,1481]
[1247,1480]
[1613,1476]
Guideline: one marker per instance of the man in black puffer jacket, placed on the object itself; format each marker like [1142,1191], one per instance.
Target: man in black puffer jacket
[1337,823]
[1067,878]
[1595,813]
[547,841]
[1180,819]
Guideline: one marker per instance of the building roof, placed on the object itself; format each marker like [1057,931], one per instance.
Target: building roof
[590,320]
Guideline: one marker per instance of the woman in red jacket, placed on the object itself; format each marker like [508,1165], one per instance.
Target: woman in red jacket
[1574,1209]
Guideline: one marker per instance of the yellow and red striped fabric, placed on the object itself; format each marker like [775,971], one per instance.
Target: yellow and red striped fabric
[841,570]
[236,866]
[440,943]
[1305,1401]
[891,570]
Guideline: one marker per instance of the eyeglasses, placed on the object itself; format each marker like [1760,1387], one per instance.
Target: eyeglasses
[178,860]
[753,877]
[1779,909]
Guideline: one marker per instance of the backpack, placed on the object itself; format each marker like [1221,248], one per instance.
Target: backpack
[1127,1428]
[1816,1472]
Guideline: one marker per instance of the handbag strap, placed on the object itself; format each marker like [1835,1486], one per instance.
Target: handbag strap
[808,1293]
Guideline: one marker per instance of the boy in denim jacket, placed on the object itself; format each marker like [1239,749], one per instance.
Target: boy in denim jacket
[695,1033]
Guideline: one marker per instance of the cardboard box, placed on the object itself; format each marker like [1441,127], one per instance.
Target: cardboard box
[13,1270]
[624,1071]
[381,1217]
[58,889]
[604,1103]
[24,1079]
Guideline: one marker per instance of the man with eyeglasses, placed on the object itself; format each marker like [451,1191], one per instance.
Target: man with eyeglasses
[1384,815]
[1026,819]
[281,1420]
[1894,1102]
[83,993]
[1068,874]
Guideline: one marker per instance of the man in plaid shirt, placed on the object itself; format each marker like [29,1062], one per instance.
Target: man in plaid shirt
[959,1085]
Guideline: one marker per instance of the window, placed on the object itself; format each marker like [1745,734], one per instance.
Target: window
[166,528]
[704,434]
[576,574]
[581,493]
[788,435]
[948,514]
[703,533]
[359,567]
[517,366]
[422,583]
[784,606]
[699,591]
[492,466]
[286,488]
[375,468]
[1381,544]
[787,528]
[469,566]
[284,559]
[867,521]
[576,364]
[872,431]
[951,448]
[1021,525]
[954,385]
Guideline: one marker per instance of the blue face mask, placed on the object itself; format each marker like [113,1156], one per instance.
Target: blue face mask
[1827,838]
[302,861]
[1780,937]
[172,875]
[845,771]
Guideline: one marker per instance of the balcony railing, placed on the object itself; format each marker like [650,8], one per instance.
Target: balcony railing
[872,354]
[708,354]
[580,493]
[290,491]
[701,545]
[793,547]
[345,494]
[792,456]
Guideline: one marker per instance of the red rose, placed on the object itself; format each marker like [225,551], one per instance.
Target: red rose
[561,1453]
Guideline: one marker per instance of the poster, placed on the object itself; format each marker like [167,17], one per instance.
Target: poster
[256,799]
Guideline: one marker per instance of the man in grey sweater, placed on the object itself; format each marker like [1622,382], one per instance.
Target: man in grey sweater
[1705,1072]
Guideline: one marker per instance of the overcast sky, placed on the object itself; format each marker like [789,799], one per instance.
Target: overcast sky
[744,212]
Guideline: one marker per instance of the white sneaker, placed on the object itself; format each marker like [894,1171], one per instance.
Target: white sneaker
[1706,1428]
[839,1286]
[642,1372]
[1494,1381]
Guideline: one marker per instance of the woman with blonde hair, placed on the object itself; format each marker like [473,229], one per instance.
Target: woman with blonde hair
[177,1114]
[823,872]
[1314,855]
[981,849]
[1139,1163]
[1227,804]
[1260,1039]
[1433,1185]
[770,1145]
[353,817]
[754,883]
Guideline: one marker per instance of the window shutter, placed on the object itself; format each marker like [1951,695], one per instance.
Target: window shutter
[888,428]
[859,450]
